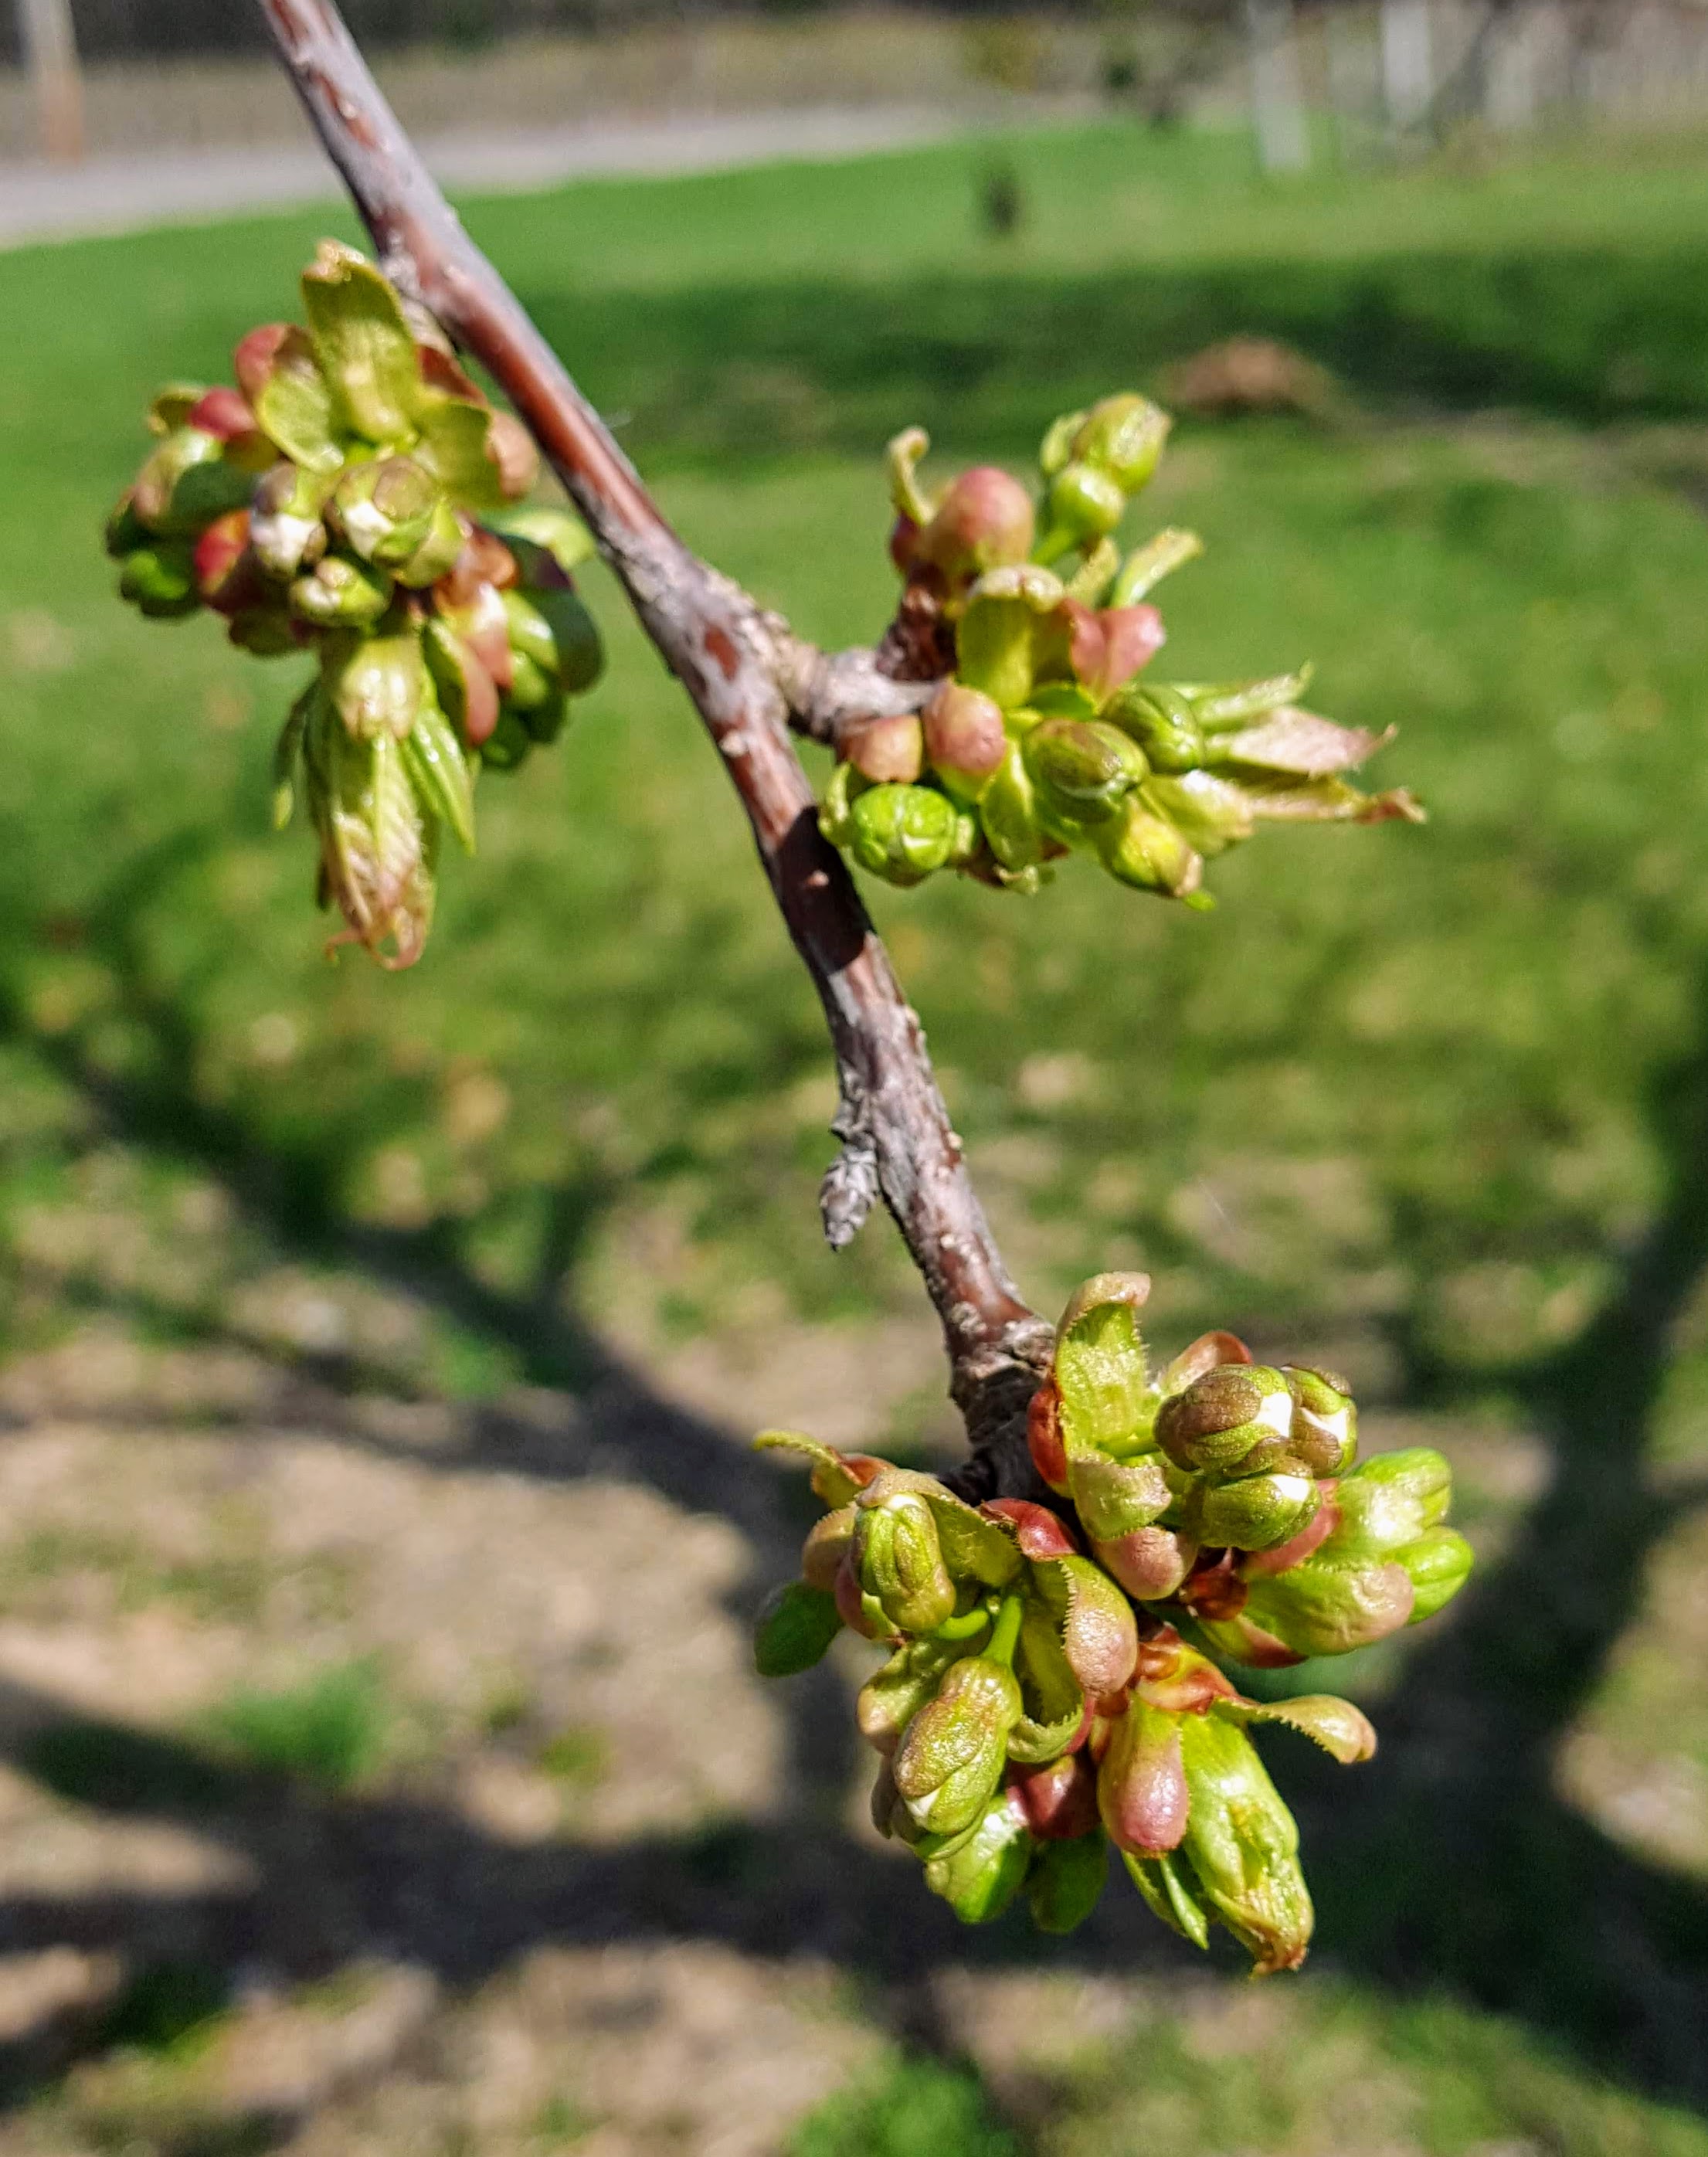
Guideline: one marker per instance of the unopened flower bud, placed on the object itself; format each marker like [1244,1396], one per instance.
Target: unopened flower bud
[508,745]
[1082,771]
[186,483]
[951,1757]
[125,531]
[341,593]
[1149,1562]
[375,683]
[1211,813]
[286,529]
[1083,505]
[553,631]
[1139,848]
[1318,1609]
[901,1564]
[1123,436]
[1067,1881]
[1256,1512]
[1235,1421]
[438,551]
[511,450]
[1325,1420]
[903,833]
[1058,1799]
[1163,724]
[160,580]
[893,1696]
[984,1870]
[996,637]
[228,576]
[964,739]
[1387,1501]
[795,1625]
[1008,815]
[384,509]
[1243,1845]
[1438,1564]
[1141,1783]
[891,748]
[984,520]
[827,1544]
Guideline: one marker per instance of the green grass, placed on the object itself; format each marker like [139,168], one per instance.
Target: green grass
[1408,1097]
[912,2107]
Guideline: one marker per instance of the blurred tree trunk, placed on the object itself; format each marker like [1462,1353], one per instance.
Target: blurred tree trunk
[1407,62]
[1277,109]
[51,55]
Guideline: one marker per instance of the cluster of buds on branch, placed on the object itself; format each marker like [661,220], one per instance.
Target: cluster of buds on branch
[1056,1682]
[357,496]
[1042,740]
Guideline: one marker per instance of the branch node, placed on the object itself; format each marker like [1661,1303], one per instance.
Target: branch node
[851,1183]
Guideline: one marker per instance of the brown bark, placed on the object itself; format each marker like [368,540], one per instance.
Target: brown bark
[748,678]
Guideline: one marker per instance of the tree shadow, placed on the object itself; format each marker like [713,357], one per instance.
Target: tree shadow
[1451,1861]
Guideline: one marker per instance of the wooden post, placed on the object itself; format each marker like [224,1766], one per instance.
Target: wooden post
[50,54]
[1277,108]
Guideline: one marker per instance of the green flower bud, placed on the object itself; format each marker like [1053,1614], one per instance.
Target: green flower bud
[125,531]
[1325,1420]
[1255,1513]
[554,632]
[1438,1564]
[984,1873]
[796,1626]
[964,740]
[1081,769]
[507,745]
[903,833]
[286,529]
[439,769]
[186,483]
[1242,1845]
[384,509]
[1141,1783]
[1099,1638]
[1163,724]
[160,581]
[1083,505]
[1113,1498]
[893,1696]
[1138,847]
[1236,1420]
[1007,613]
[1124,437]
[1318,1609]
[438,551]
[375,683]
[340,594]
[900,1562]
[1065,1881]
[1387,1501]
[1008,815]
[951,1758]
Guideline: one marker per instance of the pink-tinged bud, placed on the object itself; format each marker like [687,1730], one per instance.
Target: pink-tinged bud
[983,521]
[1141,1784]
[1297,1549]
[827,1545]
[857,1611]
[1059,1800]
[1044,1436]
[465,688]
[1039,1532]
[485,559]
[225,412]
[1149,1562]
[258,353]
[1177,1679]
[965,740]
[853,1471]
[228,576]
[1207,1353]
[892,748]
[1098,1632]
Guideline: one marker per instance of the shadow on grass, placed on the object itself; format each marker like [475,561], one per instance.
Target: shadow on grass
[1583,334]
[1451,1861]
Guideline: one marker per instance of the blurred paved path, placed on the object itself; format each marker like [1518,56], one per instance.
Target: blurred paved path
[126,194]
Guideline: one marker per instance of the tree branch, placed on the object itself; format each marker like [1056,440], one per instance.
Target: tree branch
[747,674]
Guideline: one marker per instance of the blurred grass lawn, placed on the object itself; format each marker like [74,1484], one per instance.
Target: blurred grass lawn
[1395,1096]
